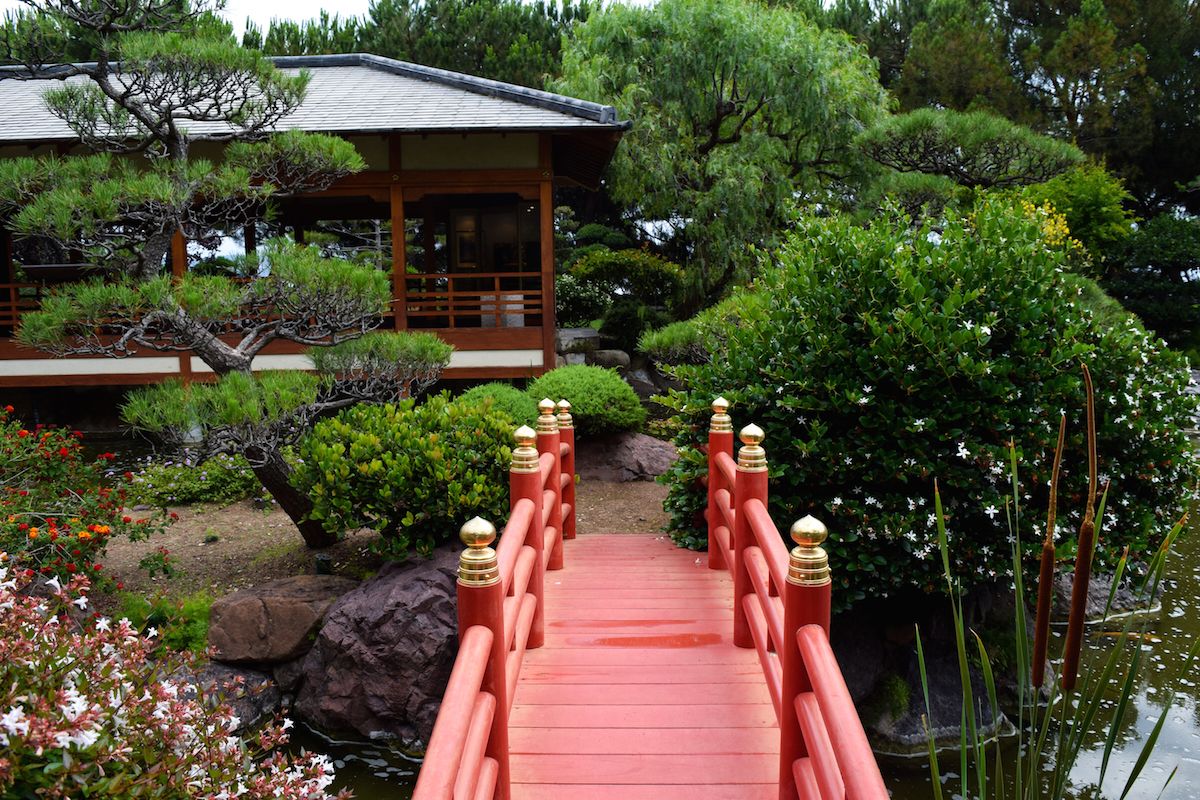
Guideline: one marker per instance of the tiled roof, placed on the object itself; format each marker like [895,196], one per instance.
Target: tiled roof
[359,93]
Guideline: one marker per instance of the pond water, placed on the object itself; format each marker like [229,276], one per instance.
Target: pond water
[1175,631]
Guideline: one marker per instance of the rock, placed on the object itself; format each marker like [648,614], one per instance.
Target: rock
[624,457]
[559,361]
[613,359]
[1124,602]
[288,675]
[382,658]
[576,340]
[254,696]
[575,358]
[273,622]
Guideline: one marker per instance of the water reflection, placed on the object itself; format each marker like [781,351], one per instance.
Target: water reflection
[1172,634]
[372,771]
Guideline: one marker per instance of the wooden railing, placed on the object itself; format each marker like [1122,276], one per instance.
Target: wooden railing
[17,299]
[481,299]
[501,613]
[781,607]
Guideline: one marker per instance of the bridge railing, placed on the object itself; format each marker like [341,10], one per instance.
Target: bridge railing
[781,607]
[501,613]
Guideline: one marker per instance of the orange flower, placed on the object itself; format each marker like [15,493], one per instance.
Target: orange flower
[33,533]
[84,536]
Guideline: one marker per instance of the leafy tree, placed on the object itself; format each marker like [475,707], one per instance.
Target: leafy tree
[165,78]
[1093,202]
[738,109]
[506,40]
[957,60]
[976,150]
[885,27]
[326,34]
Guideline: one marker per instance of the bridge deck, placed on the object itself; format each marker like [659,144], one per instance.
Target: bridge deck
[638,691]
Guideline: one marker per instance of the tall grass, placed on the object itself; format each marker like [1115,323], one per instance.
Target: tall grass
[1053,722]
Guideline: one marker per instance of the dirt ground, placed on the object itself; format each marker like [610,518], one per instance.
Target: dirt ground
[219,550]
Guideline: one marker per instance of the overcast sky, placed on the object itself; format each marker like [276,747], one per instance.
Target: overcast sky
[263,11]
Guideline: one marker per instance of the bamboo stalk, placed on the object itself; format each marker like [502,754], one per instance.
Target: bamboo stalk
[1083,556]
[1041,628]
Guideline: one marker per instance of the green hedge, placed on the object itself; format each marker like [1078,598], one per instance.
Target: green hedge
[414,473]
[601,401]
[504,397]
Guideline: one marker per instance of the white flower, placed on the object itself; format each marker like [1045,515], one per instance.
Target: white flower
[991,511]
[80,601]
[150,634]
[287,723]
[54,584]
[837,501]
[963,452]
[868,389]
[969,325]
[985,330]
[911,368]
[102,624]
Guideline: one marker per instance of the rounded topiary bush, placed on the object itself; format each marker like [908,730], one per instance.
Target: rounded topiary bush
[414,473]
[601,401]
[888,356]
[504,397]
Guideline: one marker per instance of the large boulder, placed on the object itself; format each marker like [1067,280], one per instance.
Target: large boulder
[383,657]
[255,698]
[275,621]
[624,457]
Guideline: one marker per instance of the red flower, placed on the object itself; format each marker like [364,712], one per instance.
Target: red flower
[120,585]
[64,452]
[97,567]
[126,519]
[71,568]
[173,515]
[9,409]
[22,433]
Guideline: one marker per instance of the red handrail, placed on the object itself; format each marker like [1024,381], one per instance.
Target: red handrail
[501,614]
[781,607]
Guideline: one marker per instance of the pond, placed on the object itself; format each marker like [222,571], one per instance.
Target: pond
[1175,631]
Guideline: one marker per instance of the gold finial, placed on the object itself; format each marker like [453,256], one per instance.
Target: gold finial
[525,456]
[721,421]
[477,564]
[809,563]
[752,458]
[565,420]
[546,421]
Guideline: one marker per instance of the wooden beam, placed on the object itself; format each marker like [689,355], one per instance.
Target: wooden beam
[399,259]
[546,213]
[178,255]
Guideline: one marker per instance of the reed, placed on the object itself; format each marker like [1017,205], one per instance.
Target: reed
[1053,721]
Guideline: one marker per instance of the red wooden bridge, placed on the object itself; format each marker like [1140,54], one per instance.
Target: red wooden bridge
[634,669]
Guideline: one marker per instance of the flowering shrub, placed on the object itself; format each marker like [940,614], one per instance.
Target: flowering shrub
[888,356]
[55,515]
[86,707]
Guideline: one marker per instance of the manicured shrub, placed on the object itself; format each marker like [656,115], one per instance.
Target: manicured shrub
[504,397]
[92,710]
[577,303]
[601,401]
[221,479]
[56,515]
[637,273]
[700,338]
[887,357]
[1092,201]
[627,319]
[414,473]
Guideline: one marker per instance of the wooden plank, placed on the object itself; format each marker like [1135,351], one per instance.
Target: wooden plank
[643,656]
[650,694]
[639,627]
[608,791]
[700,715]
[615,741]
[644,769]
[533,673]
[690,612]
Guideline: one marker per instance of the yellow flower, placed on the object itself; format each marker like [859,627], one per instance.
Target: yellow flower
[84,536]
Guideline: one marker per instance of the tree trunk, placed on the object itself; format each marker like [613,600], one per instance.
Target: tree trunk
[274,473]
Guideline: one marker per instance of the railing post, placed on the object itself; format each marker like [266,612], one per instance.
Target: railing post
[481,602]
[750,483]
[566,433]
[525,481]
[806,601]
[548,442]
[720,440]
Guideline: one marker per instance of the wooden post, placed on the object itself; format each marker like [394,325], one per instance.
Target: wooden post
[566,434]
[720,440]
[750,483]
[481,602]
[525,480]
[548,442]
[806,601]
